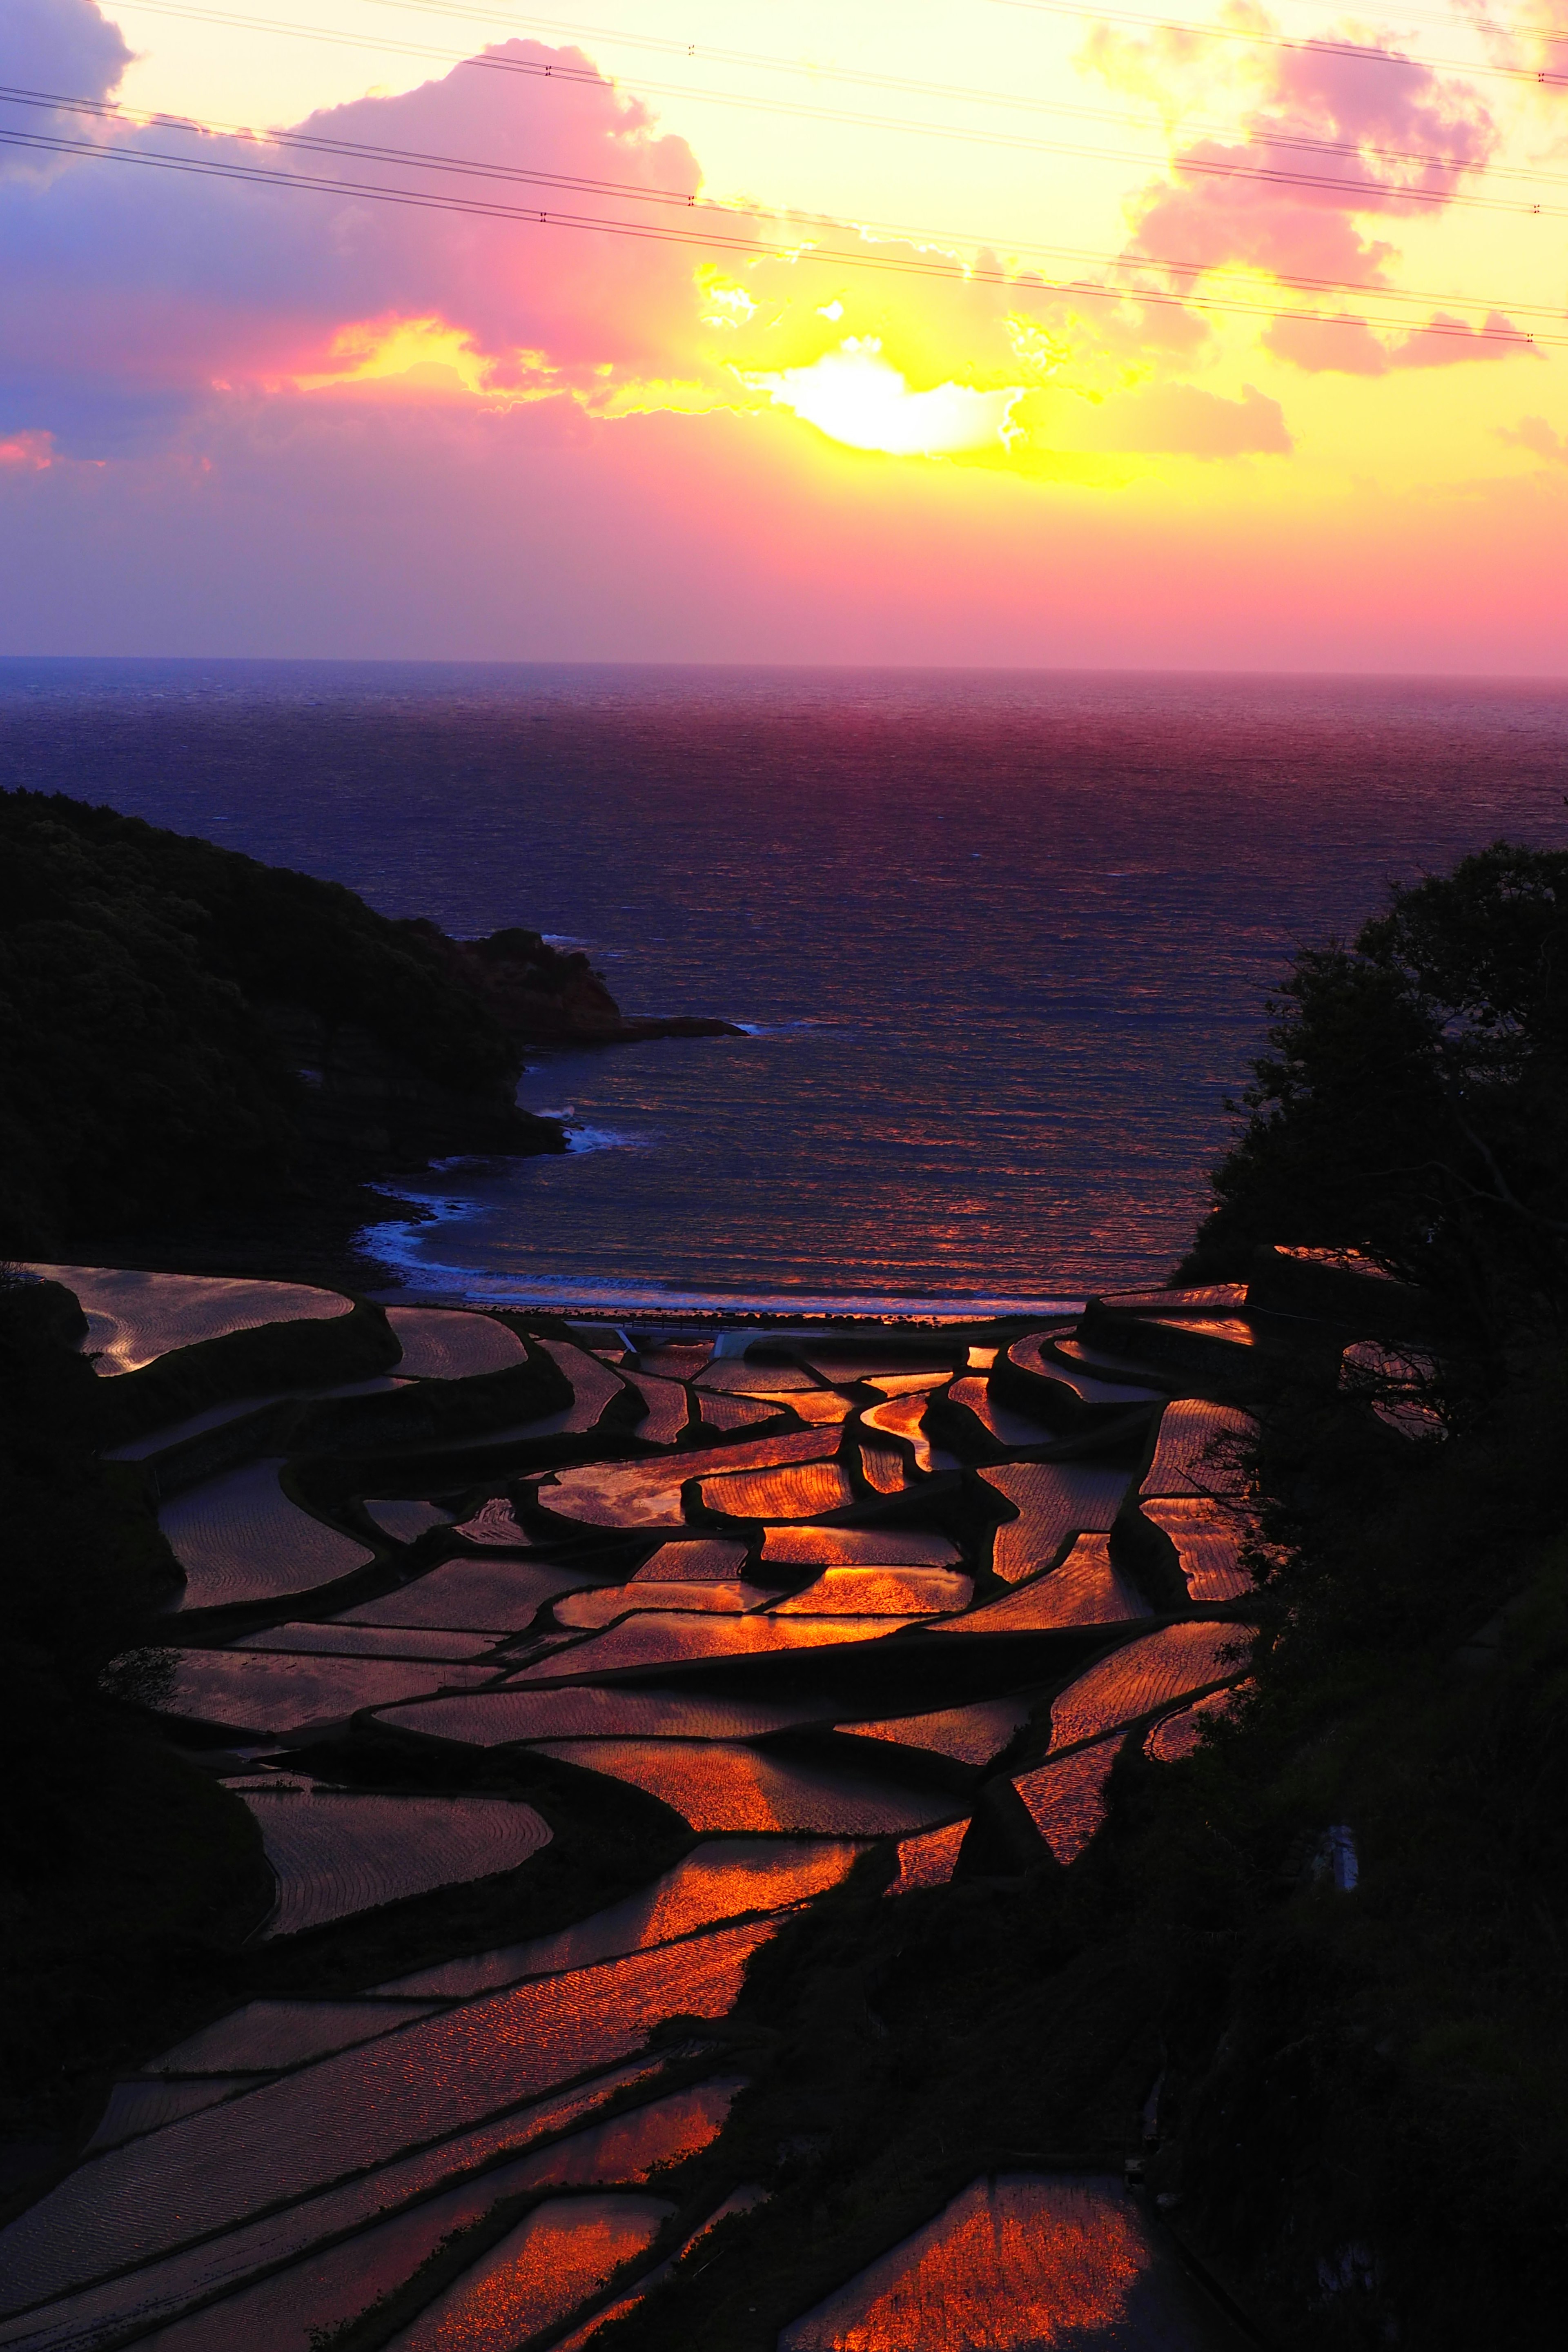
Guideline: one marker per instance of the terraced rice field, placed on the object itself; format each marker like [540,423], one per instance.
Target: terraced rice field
[197,1425]
[1177,1736]
[363,2107]
[268,2034]
[880,1592]
[497,1526]
[609,1601]
[859,1547]
[370,1642]
[733,1375]
[1003,1423]
[703,1561]
[733,1412]
[904,1417]
[1208,1539]
[278,1692]
[1054,1500]
[486,1596]
[1018,2263]
[1088,1588]
[593,1386]
[1034,1354]
[970,1735]
[563,2252]
[718,1787]
[677,1639]
[335,1851]
[928,1860]
[818,1408]
[882,1467]
[319,2287]
[238,1537]
[647,1494]
[625,2148]
[1067,1799]
[727,1879]
[668,1407]
[798,1490]
[135,1318]
[137,2108]
[581,1711]
[1150,1671]
[405,1522]
[446,1343]
[1198,1449]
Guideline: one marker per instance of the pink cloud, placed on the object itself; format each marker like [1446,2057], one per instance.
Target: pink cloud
[28,452]
[1183,420]
[1347,345]
[1534,434]
[1341,134]
[130,289]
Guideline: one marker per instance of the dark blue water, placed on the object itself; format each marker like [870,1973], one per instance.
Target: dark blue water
[1001,939]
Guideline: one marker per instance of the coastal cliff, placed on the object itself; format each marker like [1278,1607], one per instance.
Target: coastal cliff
[189,1033]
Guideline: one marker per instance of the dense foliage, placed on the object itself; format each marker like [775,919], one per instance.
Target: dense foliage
[140,1076]
[1414,1102]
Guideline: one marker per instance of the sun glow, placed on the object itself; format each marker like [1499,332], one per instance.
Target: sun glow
[856,396]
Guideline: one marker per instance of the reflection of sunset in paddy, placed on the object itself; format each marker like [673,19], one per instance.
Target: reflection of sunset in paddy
[625,2148]
[1067,1801]
[880,1592]
[1013,2266]
[1145,1674]
[564,2252]
[718,1787]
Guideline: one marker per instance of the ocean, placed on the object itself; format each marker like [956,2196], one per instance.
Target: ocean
[1000,941]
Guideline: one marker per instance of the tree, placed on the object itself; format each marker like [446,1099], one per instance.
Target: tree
[1414,1103]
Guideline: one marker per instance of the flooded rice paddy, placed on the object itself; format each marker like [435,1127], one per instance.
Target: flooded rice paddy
[743,1635]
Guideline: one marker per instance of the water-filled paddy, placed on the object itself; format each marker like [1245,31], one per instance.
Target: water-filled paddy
[1002,1423]
[718,1787]
[608,1601]
[928,1859]
[1179,1735]
[1208,1539]
[880,1592]
[798,1490]
[368,1641]
[593,1386]
[647,1494]
[443,1343]
[1198,1449]
[800,1547]
[1147,1672]
[135,1317]
[1066,1799]
[486,1596]
[580,1711]
[405,1522]
[268,2034]
[703,1561]
[1054,1500]
[239,1537]
[970,1735]
[1016,2263]
[564,2252]
[276,1692]
[1088,1588]
[361,2107]
[334,1852]
[678,1639]
[725,1879]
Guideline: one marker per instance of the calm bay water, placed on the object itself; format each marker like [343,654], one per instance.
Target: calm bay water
[1001,939]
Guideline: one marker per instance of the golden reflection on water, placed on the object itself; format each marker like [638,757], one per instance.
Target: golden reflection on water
[797,1492]
[1145,1675]
[928,1860]
[880,1592]
[718,1786]
[1067,1801]
[538,2276]
[903,1416]
[1208,1538]
[1087,1590]
[1012,2265]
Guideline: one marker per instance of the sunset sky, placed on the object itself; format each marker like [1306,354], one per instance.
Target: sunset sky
[991,332]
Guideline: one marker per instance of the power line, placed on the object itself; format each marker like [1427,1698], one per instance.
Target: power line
[1381,196]
[686,200]
[1240,33]
[796,251]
